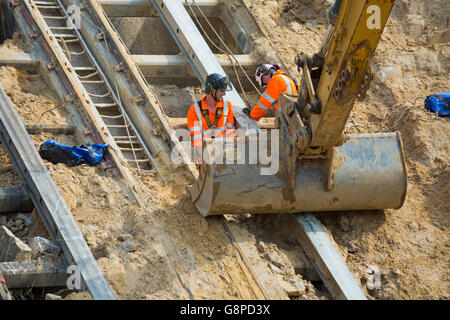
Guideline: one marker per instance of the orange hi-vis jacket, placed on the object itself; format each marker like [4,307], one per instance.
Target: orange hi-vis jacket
[198,127]
[279,83]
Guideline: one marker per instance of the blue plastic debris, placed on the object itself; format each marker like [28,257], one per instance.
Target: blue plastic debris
[56,152]
[439,103]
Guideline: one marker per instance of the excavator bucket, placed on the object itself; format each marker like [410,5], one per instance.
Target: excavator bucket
[368,173]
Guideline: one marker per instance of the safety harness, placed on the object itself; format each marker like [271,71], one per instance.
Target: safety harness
[205,114]
[218,114]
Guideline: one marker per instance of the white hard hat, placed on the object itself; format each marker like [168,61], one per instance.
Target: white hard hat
[261,70]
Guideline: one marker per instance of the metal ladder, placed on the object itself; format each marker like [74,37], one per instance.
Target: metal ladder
[97,89]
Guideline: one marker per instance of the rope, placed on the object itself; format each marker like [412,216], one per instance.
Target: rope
[229,54]
[118,96]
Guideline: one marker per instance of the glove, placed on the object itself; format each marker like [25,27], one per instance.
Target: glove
[246,111]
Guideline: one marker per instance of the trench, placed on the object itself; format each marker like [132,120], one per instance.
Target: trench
[176,96]
[273,248]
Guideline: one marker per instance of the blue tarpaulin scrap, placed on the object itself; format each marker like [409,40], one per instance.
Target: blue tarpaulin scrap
[56,152]
[439,103]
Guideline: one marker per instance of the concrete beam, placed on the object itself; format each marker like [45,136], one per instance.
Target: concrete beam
[14,199]
[28,275]
[174,66]
[19,60]
[333,271]
[47,199]
[142,8]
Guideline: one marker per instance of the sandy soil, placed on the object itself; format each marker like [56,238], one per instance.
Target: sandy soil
[168,251]
[165,251]
[409,246]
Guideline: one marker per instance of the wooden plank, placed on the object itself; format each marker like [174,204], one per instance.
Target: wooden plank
[252,279]
[48,200]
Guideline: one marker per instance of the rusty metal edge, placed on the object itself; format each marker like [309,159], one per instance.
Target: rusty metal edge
[405,169]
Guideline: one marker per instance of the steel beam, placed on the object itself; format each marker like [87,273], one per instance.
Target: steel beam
[14,200]
[327,261]
[174,66]
[197,52]
[141,8]
[48,200]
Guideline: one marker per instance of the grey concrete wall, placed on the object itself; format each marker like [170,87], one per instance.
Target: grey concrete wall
[141,34]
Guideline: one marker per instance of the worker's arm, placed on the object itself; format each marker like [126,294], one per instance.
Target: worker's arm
[231,124]
[195,127]
[265,102]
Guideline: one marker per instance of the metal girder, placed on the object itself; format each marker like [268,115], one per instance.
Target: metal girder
[197,52]
[48,200]
[174,66]
[327,261]
[141,8]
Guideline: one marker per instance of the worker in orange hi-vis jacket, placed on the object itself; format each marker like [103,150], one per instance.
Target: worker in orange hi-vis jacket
[277,82]
[212,116]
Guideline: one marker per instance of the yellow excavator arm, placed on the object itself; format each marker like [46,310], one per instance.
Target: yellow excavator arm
[337,75]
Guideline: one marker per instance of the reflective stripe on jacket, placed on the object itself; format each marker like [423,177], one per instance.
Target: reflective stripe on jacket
[198,129]
[279,83]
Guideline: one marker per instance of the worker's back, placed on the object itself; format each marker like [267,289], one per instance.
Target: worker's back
[280,83]
[283,83]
